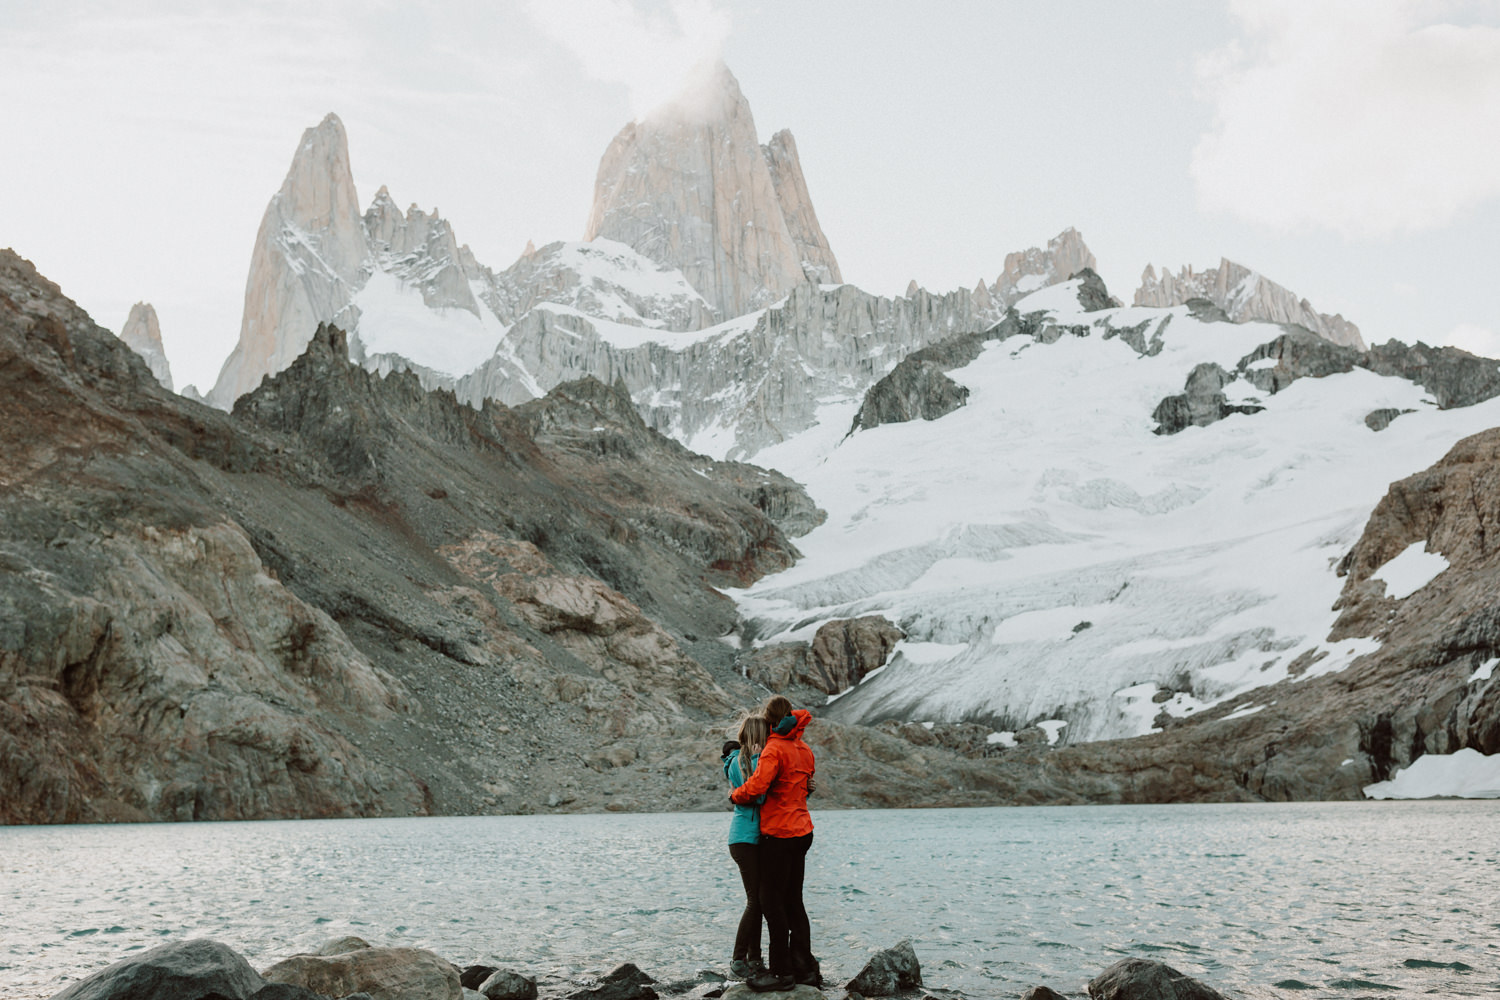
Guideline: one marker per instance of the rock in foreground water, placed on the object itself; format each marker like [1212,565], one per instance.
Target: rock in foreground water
[505,984]
[383,973]
[1146,979]
[1042,993]
[626,982]
[888,972]
[740,991]
[183,970]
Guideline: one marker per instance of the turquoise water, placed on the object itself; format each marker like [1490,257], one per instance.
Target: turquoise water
[1348,899]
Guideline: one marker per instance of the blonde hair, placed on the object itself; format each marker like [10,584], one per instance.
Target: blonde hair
[752,736]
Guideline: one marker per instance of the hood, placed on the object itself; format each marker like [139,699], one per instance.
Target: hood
[802,717]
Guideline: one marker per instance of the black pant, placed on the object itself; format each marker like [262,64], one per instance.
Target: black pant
[747,939]
[782,863]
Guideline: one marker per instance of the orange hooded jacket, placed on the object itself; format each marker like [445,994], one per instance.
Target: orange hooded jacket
[781,774]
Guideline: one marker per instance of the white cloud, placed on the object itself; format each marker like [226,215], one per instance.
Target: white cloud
[620,41]
[1368,118]
[1473,338]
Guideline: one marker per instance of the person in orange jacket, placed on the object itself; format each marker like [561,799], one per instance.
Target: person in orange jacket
[783,775]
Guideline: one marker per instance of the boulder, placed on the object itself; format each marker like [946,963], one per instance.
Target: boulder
[1148,979]
[1042,993]
[344,945]
[383,973]
[182,970]
[626,982]
[888,972]
[474,976]
[504,984]
[284,991]
[741,991]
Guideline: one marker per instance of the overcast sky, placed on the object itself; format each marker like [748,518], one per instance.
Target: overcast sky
[1348,150]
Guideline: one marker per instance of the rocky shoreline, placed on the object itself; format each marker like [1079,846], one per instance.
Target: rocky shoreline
[349,968]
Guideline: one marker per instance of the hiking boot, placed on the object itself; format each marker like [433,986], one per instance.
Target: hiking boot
[807,971]
[769,982]
[743,969]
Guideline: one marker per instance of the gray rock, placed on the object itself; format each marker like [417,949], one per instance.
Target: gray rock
[283,991]
[472,994]
[1202,401]
[915,389]
[1147,979]
[383,973]
[343,945]
[888,972]
[183,970]
[505,984]
[1042,993]
[625,982]
[741,991]
[1379,420]
[1092,294]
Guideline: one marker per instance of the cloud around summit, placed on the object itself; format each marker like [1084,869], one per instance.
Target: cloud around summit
[1371,119]
[647,48]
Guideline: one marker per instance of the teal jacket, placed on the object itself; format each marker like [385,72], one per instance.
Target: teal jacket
[744,825]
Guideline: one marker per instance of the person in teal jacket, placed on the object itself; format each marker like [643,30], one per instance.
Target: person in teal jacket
[740,757]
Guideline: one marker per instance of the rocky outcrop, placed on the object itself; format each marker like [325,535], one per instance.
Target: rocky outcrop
[690,187]
[182,970]
[383,973]
[1148,979]
[142,333]
[916,389]
[1201,403]
[310,258]
[420,250]
[506,984]
[299,605]
[888,972]
[1453,376]
[841,654]
[1243,295]
[844,651]
[1026,271]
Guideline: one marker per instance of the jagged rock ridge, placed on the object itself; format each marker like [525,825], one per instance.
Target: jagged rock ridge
[1243,295]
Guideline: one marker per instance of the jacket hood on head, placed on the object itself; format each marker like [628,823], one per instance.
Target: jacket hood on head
[801,717]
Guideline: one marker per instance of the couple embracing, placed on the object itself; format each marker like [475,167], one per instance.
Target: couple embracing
[770,772]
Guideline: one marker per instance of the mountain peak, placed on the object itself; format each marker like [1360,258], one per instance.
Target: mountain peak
[709,93]
[142,334]
[690,187]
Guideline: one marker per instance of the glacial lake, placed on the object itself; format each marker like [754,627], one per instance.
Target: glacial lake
[1303,900]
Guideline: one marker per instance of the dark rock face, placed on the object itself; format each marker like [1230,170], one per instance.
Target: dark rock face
[914,390]
[888,972]
[1379,420]
[1454,377]
[184,970]
[1201,403]
[474,975]
[625,982]
[1092,294]
[1143,979]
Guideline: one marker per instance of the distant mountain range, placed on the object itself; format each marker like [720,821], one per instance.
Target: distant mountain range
[1051,547]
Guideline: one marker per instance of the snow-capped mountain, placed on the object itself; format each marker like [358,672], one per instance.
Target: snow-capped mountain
[142,332]
[691,187]
[1051,555]
[1244,295]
